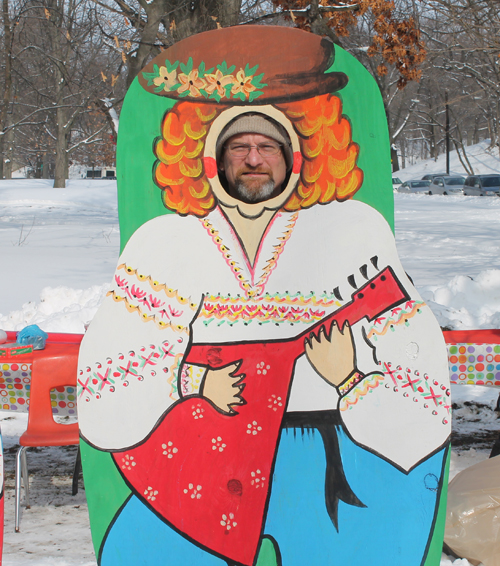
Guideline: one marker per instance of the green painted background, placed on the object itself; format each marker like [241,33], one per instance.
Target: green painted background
[139,199]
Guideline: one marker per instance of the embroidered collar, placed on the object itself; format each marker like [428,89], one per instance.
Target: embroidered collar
[252,280]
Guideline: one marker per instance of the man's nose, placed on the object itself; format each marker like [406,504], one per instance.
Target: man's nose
[254,158]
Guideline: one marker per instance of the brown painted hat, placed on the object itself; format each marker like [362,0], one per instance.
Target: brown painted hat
[245,65]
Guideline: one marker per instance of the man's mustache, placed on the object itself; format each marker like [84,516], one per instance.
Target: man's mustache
[254,170]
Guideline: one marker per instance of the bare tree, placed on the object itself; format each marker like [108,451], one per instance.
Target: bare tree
[61,66]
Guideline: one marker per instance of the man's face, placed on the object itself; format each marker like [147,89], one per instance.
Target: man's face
[253,178]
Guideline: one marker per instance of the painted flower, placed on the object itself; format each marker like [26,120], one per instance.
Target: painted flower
[150,493]
[128,462]
[193,491]
[166,79]
[253,428]
[191,82]
[217,444]
[217,82]
[228,522]
[243,84]
[197,411]
[275,402]
[258,480]
[262,368]
[169,449]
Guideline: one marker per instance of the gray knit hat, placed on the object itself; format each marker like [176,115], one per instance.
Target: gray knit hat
[255,123]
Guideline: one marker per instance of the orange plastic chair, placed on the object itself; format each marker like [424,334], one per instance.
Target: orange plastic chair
[55,366]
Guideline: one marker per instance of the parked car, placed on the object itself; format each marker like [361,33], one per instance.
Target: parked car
[482,185]
[430,176]
[447,185]
[416,186]
[396,183]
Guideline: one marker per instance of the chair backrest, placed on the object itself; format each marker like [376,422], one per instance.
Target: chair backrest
[55,368]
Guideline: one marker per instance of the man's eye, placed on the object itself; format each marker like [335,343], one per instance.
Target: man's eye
[268,148]
[240,147]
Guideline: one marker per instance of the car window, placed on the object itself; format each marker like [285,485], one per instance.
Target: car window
[455,181]
[396,180]
[491,181]
[420,184]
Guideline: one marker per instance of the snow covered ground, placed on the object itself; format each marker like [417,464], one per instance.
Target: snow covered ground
[58,250]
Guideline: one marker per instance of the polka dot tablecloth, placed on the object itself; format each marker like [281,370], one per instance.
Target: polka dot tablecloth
[15,383]
[474,364]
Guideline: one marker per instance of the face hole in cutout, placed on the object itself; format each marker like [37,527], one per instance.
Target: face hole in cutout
[254,128]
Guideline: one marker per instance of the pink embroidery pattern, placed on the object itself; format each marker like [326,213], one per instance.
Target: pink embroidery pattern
[278,248]
[435,396]
[226,252]
[92,383]
[251,290]
[360,390]
[150,299]
[276,308]
[398,317]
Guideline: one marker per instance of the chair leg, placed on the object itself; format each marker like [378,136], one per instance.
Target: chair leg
[76,471]
[26,477]
[20,456]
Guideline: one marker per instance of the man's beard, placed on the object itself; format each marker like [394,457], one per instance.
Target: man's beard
[255,194]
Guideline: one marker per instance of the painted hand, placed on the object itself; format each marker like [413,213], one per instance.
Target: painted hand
[332,356]
[223,387]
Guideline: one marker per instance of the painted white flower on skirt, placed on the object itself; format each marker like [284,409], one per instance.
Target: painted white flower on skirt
[253,428]
[197,411]
[169,449]
[151,493]
[193,492]
[128,462]
[257,479]
[227,521]
[217,444]
[262,368]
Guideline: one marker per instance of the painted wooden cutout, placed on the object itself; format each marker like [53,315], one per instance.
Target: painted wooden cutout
[262,384]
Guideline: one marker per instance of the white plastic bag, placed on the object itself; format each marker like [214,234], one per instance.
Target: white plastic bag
[473,513]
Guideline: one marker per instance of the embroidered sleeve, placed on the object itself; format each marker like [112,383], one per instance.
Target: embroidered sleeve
[130,369]
[401,410]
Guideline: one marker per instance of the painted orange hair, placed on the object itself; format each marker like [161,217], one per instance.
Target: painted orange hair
[329,171]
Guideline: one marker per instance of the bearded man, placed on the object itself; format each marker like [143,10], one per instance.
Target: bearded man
[265,376]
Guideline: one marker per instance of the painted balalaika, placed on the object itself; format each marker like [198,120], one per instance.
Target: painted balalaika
[234,491]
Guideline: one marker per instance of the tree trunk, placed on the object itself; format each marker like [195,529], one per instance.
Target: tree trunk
[394,158]
[45,166]
[155,11]
[61,152]
[7,89]
[8,147]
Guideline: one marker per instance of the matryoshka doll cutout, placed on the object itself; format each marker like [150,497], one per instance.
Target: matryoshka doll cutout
[262,383]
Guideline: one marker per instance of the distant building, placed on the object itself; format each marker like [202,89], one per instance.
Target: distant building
[102,173]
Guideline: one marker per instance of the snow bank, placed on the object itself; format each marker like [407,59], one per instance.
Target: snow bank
[467,303]
[60,309]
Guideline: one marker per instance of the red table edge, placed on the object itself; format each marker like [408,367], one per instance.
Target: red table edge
[486,336]
[57,337]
